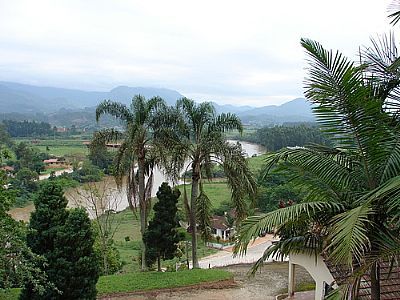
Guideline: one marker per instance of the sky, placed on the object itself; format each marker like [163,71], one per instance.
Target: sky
[236,52]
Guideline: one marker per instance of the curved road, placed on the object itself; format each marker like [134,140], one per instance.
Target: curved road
[225,257]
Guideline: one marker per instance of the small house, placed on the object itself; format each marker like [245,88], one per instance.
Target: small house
[7,169]
[220,227]
[51,161]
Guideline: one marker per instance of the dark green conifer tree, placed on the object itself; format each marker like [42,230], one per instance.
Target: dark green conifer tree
[161,237]
[65,239]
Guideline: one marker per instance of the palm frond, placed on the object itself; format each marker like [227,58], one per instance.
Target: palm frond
[335,174]
[348,238]
[105,136]
[226,122]
[203,213]
[239,176]
[394,10]
[253,226]
[115,109]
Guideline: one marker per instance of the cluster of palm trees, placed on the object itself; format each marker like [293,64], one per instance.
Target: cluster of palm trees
[188,135]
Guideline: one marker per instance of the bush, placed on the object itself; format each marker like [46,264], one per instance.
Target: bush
[65,239]
[113,258]
[88,173]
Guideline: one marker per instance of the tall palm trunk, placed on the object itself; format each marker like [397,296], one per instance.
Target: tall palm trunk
[193,211]
[142,206]
[375,282]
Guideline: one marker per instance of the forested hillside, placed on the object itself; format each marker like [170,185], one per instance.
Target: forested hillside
[277,137]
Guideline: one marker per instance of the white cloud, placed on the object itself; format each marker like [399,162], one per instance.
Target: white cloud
[221,50]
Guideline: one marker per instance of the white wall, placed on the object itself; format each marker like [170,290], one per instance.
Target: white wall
[317,269]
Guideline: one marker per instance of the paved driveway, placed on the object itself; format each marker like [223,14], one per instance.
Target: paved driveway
[225,257]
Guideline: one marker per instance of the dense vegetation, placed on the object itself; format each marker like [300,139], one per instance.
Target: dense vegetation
[27,128]
[289,135]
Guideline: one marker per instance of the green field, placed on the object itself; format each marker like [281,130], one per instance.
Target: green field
[217,190]
[72,147]
[257,163]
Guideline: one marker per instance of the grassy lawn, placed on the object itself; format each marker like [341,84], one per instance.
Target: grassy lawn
[217,190]
[257,163]
[157,280]
[145,281]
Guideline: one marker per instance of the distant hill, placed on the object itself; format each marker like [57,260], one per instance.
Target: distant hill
[23,98]
[64,107]
[297,110]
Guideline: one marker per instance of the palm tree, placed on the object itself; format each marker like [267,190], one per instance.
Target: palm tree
[136,157]
[351,210]
[197,141]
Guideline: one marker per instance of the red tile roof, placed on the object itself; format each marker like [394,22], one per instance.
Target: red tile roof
[219,222]
[389,280]
[7,168]
[51,160]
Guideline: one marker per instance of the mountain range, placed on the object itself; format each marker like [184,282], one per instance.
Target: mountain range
[19,101]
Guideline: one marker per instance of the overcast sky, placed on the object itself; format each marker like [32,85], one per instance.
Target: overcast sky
[239,52]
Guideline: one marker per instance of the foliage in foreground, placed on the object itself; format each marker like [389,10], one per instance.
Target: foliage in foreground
[65,239]
[17,262]
[351,207]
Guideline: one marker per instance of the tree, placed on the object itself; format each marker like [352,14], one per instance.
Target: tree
[76,268]
[162,238]
[65,239]
[102,206]
[277,137]
[28,157]
[100,157]
[136,150]
[195,139]
[276,189]
[87,173]
[17,262]
[350,211]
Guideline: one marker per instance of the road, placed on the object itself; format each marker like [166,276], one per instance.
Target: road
[225,257]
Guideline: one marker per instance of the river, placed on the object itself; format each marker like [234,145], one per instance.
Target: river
[111,198]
